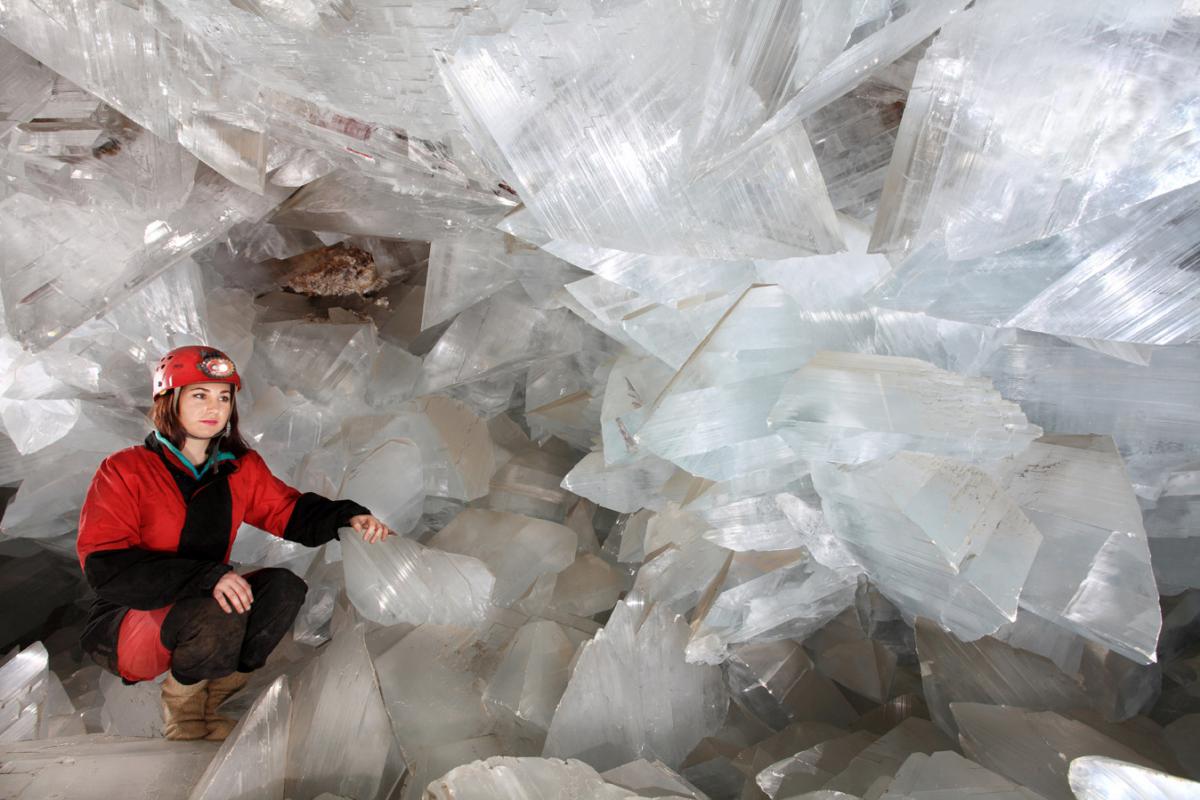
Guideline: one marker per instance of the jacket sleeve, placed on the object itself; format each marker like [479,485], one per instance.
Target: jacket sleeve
[114,564]
[307,518]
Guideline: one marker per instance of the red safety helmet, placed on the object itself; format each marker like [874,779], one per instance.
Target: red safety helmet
[194,364]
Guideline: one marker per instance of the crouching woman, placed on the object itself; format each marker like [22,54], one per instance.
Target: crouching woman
[155,535]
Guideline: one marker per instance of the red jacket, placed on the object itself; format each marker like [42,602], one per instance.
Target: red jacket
[152,531]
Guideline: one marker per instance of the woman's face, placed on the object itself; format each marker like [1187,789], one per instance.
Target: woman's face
[204,408]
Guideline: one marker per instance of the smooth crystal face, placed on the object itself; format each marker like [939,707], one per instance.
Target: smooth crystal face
[1094,777]
[253,759]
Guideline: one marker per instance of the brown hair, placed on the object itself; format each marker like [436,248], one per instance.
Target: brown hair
[165,416]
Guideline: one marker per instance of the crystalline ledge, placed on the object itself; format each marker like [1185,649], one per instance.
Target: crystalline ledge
[1044,155]
[398,580]
[253,760]
[609,720]
[940,538]
[851,408]
[514,548]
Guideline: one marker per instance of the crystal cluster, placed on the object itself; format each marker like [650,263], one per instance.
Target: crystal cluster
[771,398]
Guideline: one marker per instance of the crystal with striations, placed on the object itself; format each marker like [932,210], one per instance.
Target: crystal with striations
[884,757]
[939,538]
[252,761]
[623,488]
[1043,155]
[1100,778]
[608,719]
[398,580]
[533,673]
[851,408]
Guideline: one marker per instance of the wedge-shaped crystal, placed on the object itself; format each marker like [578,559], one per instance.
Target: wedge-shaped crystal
[791,596]
[938,537]
[463,271]
[623,179]
[1068,151]
[497,337]
[533,674]
[609,720]
[652,779]
[990,671]
[886,755]
[507,778]
[677,577]
[625,488]
[589,586]
[60,269]
[1034,749]
[398,580]
[1100,778]
[779,684]
[850,408]
[340,740]
[325,361]
[24,681]
[925,777]
[1092,574]
[810,769]
[253,760]
[514,548]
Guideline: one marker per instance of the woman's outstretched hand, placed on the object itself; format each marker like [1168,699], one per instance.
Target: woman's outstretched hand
[233,593]
[372,530]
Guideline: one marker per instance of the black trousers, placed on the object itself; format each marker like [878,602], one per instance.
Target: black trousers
[205,642]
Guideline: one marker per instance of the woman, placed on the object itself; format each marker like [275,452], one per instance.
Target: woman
[155,534]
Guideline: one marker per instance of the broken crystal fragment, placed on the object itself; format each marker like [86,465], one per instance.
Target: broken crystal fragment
[938,537]
[515,549]
[851,408]
[397,580]
[253,759]
[672,706]
[532,676]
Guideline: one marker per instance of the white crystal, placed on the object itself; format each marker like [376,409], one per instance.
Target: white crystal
[253,759]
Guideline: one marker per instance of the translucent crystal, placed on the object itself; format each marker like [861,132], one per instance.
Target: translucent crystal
[671,706]
[633,384]
[533,674]
[791,597]
[939,537]
[928,776]
[1092,574]
[530,483]
[621,488]
[389,482]
[622,180]
[1097,777]
[323,360]
[340,740]
[779,683]
[851,408]
[463,271]
[589,586]
[810,769]
[1171,525]
[652,779]
[24,680]
[677,577]
[885,756]
[253,759]
[514,548]
[397,580]
[131,710]
[989,671]
[1031,748]
[495,337]
[1069,151]
[506,778]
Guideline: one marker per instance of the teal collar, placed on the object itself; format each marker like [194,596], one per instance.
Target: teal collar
[215,458]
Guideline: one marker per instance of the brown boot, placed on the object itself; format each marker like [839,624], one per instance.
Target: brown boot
[183,709]
[219,690]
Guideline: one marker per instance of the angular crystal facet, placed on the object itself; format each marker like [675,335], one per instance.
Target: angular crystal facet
[253,760]
[1097,778]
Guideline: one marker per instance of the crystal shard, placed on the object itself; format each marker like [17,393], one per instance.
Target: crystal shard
[1099,778]
[253,760]
[850,408]
[514,548]
[389,481]
[1092,574]
[672,706]
[533,674]
[778,683]
[24,680]
[885,756]
[505,778]
[340,740]
[622,180]
[925,777]
[622,488]
[398,580]
[1069,151]
[810,769]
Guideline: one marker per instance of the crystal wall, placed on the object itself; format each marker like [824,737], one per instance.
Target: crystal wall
[775,398]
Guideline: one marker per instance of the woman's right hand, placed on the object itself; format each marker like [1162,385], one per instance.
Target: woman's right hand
[233,593]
